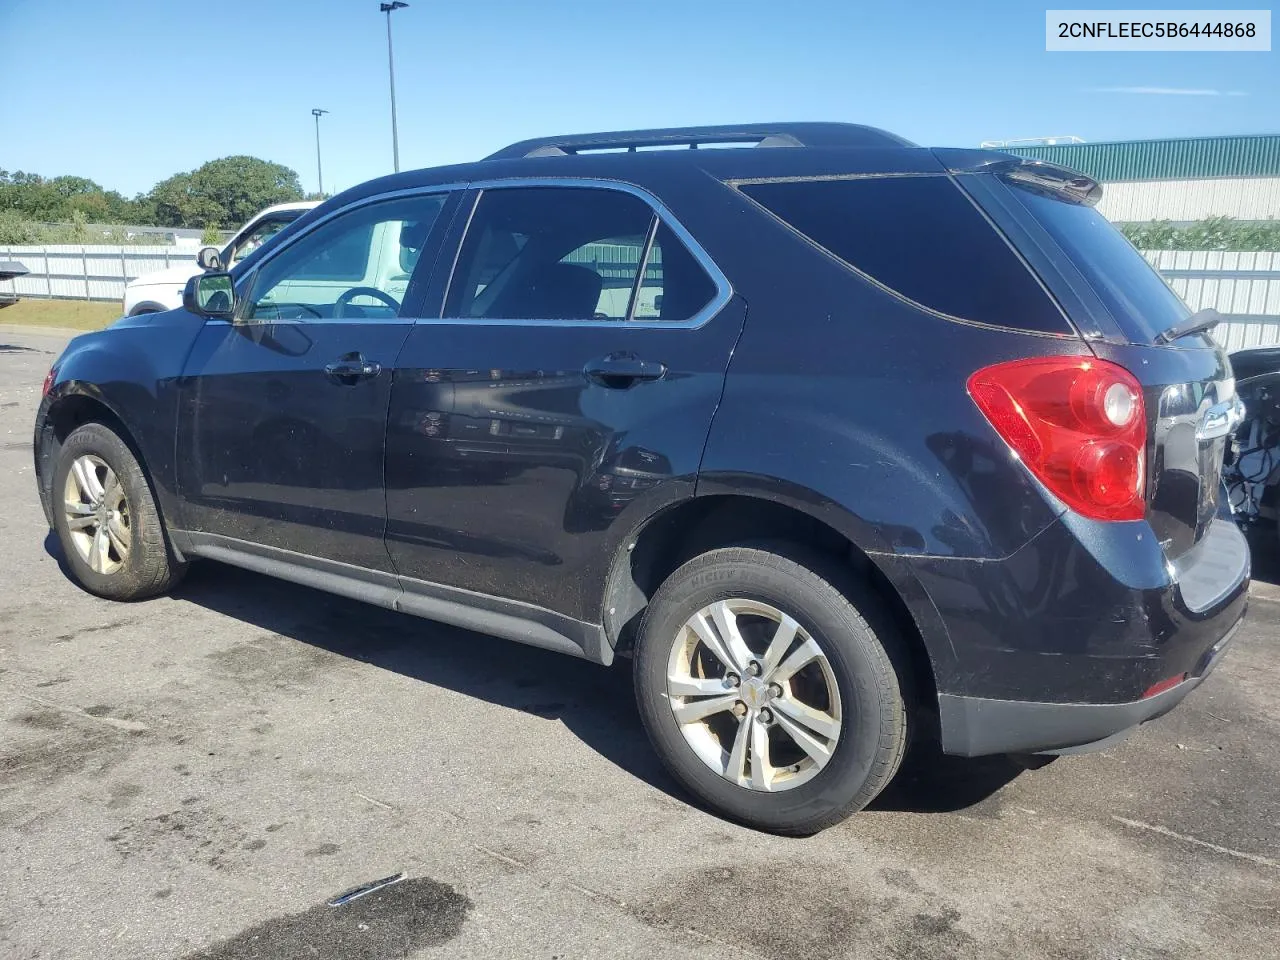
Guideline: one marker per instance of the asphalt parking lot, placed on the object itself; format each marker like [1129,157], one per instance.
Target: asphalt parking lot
[195,776]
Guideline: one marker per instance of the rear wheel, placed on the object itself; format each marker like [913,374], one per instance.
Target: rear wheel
[106,518]
[769,692]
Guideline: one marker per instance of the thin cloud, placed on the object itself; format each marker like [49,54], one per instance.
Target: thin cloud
[1171,91]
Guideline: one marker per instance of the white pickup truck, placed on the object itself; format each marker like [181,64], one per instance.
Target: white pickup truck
[162,290]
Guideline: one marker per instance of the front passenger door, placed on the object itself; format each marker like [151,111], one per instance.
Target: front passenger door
[283,414]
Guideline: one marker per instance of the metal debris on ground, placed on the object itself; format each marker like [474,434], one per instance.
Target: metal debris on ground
[365,888]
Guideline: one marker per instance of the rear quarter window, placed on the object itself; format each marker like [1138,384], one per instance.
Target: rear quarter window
[922,238]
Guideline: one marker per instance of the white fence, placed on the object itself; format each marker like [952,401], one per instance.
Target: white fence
[92,272]
[1245,286]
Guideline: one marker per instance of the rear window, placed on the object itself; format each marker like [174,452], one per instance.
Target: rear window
[1135,295]
[922,238]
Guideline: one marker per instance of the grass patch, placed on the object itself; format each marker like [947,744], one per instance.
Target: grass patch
[71,314]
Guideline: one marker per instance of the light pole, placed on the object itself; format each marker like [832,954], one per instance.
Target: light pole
[317,112]
[391,72]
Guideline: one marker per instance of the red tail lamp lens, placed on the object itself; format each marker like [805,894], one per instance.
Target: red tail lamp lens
[48,381]
[1078,424]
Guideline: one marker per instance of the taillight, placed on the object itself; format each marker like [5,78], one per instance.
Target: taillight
[48,381]
[1078,424]
[1158,688]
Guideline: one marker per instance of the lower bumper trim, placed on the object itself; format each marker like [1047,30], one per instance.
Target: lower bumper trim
[975,727]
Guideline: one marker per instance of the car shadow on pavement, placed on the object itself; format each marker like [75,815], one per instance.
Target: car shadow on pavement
[594,703]
[929,781]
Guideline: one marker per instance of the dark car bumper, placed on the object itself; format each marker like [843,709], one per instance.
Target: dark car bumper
[1079,637]
[973,726]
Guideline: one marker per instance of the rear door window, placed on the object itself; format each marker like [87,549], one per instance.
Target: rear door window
[616,261]
[923,239]
[573,253]
[674,285]
[1142,304]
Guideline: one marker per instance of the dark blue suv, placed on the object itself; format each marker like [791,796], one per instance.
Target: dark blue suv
[842,439]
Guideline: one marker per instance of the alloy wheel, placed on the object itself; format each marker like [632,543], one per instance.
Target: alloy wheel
[97,514]
[754,695]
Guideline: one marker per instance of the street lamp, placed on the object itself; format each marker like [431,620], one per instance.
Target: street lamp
[317,112]
[391,72]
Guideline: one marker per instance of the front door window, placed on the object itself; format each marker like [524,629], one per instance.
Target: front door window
[355,267]
[264,231]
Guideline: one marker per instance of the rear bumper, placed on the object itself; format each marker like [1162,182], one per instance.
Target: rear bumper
[974,726]
[1057,646]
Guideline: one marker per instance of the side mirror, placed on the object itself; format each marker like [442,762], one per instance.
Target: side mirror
[210,258]
[210,295]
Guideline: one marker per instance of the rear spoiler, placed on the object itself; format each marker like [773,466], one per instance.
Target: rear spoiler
[1052,179]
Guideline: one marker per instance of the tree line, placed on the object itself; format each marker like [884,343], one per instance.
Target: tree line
[225,193]
[221,193]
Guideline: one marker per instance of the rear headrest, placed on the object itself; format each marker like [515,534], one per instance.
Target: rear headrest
[556,291]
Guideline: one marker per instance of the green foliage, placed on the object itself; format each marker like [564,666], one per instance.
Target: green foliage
[79,227]
[17,231]
[211,237]
[230,190]
[1216,233]
[30,196]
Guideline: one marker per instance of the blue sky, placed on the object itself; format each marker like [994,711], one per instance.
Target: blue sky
[128,92]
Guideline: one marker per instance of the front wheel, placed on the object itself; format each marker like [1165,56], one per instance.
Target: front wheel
[767,692]
[106,518]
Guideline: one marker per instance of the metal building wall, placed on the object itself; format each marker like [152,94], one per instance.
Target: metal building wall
[1188,158]
[1253,198]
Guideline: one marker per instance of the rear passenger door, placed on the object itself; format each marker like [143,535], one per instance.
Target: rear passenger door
[563,393]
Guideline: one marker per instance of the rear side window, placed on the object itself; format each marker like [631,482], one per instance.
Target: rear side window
[572,253]
[1136,296]
[922,238]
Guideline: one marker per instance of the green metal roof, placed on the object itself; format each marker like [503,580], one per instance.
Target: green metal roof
[1191,158]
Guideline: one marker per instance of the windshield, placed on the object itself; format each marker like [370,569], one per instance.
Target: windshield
[1139,300]
[244,245]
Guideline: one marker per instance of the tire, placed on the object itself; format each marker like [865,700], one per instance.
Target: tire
[852,632]
[146,566]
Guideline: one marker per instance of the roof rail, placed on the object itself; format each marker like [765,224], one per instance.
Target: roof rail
[758,134]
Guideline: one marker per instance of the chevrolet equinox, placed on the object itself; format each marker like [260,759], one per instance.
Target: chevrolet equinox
[840,439]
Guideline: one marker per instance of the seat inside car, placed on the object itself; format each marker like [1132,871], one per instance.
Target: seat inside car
[552,291]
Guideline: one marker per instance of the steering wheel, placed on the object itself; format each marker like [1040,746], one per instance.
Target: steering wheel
[340,305]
